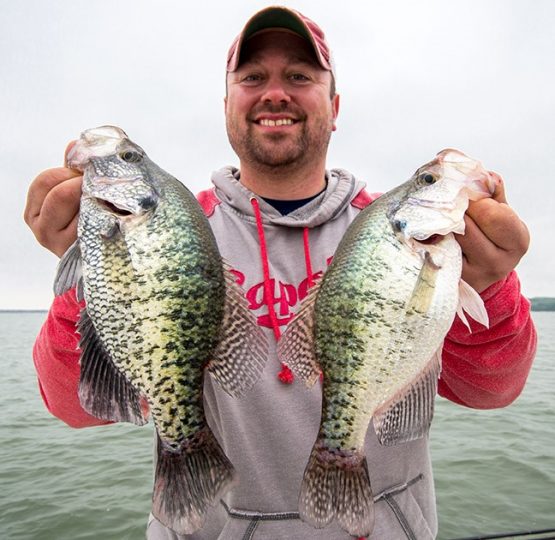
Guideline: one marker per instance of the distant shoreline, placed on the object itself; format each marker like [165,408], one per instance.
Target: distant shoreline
[543,303]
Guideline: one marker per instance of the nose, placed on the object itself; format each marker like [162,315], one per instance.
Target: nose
[275,92]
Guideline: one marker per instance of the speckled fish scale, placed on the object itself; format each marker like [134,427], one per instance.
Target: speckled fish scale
[374,326]
[158,339]
[161,308]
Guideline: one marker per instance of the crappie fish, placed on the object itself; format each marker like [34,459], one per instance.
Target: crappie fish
[374,326]
[161,307]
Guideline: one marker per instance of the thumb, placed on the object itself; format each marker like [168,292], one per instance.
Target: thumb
[499,192]
[68,148]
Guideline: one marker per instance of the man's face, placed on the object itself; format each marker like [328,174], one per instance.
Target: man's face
[279,112]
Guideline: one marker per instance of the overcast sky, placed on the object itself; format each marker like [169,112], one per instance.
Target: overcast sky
[414,78]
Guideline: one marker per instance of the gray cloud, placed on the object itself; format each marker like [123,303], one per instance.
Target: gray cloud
[413,77]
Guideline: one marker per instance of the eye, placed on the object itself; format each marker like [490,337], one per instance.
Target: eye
[428,178]
[298,77]
[130,156]
[252,78]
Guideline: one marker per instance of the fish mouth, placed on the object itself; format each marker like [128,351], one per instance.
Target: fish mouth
[113,209]
[431,240]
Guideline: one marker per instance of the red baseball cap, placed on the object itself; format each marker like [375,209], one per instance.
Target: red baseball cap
[283,17]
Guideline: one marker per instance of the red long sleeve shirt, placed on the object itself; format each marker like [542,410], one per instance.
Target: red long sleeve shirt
[484,369]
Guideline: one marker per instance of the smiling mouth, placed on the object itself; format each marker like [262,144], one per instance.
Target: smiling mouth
[267,122]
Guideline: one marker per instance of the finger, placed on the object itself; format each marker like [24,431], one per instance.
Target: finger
[41,187]
[64,238]
[491,218]
[499,192]
[70,145]
[483,262]
[474,243]
[60,241]
[500,224]
[56,225]
[61,205]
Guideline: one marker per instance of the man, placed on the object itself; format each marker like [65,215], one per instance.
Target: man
[278,219]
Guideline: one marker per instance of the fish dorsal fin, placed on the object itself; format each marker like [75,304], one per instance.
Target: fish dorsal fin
[69,272]
[471,302]
[296,346]
[408,415]
[241,353]
[104,391]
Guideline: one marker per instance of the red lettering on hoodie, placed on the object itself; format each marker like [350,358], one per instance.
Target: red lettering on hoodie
[284,298]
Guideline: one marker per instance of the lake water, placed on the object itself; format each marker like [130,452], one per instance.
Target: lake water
[494,470]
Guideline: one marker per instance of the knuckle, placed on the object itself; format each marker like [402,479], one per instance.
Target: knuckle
[65,194]
[27,216]
[42,234]
[62,195]
[491,212]
[51,178]
[48,176]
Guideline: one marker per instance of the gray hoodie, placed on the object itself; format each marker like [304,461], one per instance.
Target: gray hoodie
[268,433]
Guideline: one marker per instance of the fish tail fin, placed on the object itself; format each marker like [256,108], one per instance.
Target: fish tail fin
[188,480]
[336,485]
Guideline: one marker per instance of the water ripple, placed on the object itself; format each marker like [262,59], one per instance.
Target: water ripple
[494,470]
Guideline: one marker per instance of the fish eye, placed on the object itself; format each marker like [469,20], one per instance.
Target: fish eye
[428,178]
[131,157]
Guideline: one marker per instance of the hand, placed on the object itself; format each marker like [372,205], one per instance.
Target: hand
[52,207]
[495,239]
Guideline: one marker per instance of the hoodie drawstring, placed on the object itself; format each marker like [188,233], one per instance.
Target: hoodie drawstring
[285,375]
[307,261]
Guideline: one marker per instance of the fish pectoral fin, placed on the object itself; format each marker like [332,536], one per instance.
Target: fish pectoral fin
[69,272]
[408,415]
[104,391]
[296,346]
[471,302]
[423,292]
[241,353]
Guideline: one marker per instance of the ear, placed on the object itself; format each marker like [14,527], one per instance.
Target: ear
[335,110]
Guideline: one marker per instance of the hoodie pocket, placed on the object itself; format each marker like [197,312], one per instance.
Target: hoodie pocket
[406,511]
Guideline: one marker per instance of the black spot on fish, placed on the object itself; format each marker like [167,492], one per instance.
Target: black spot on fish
[149,202]
[399,225]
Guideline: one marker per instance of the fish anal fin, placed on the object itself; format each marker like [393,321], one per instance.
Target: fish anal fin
[296,346]
[408,415]
[240,356]
[104,391]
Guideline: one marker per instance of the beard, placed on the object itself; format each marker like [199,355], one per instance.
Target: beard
[279,151]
